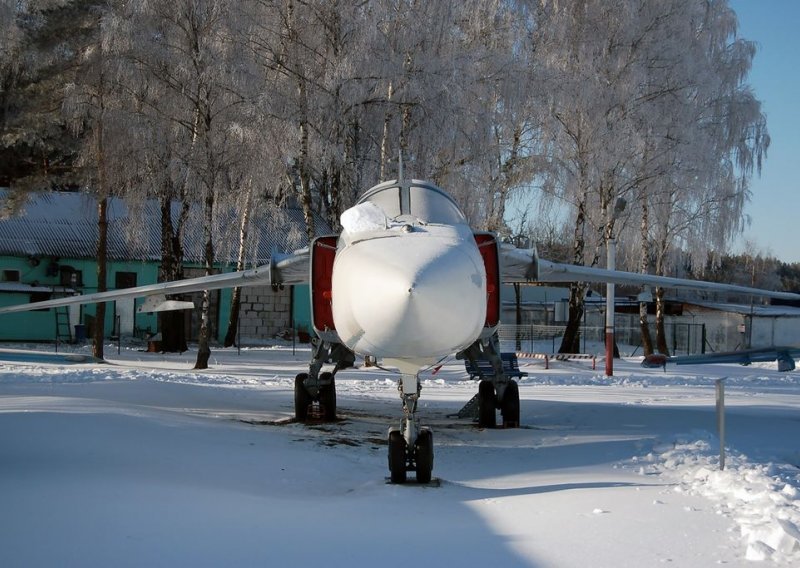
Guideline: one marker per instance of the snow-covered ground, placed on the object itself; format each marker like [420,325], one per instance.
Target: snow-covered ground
[144,462]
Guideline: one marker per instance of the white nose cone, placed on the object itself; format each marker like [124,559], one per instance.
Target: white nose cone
[409,296]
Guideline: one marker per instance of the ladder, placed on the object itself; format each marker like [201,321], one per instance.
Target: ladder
[470,409]
[63,331]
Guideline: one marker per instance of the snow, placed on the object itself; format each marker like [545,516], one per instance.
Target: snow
[144,461]
[366,216]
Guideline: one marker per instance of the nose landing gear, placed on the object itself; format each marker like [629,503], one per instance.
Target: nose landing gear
[404,458]
[410,446]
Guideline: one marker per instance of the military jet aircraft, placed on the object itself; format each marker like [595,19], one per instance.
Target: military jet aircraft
[408,283]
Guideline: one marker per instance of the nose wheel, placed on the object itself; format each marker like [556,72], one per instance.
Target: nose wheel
[417,458]
[410,446]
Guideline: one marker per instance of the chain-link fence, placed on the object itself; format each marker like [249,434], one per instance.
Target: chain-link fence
[682,338]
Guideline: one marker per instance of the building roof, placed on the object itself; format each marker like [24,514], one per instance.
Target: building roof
[28,288]
[64,224]
[746,309]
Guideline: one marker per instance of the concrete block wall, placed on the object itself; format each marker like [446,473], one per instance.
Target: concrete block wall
[263,313]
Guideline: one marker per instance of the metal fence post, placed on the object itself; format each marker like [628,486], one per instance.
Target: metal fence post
[720,389]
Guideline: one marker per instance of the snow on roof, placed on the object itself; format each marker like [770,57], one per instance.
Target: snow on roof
[29,288]
[747,309]
[64,224]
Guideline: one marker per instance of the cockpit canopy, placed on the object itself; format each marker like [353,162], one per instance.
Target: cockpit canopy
[414,199]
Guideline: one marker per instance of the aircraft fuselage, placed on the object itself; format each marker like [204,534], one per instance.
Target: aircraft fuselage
[408,281]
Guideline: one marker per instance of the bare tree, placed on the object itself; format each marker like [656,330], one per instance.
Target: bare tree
[189,51]
[642,97]
[92,108]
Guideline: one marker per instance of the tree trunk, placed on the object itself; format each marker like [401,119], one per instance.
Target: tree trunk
[233,319]
[661,337]
[335,197]
[102,229]
[644,324]
[203,341]
[571,342]
[102,254]
[647,339]
[171,324]
[203,346]
[387,120]
[306,200]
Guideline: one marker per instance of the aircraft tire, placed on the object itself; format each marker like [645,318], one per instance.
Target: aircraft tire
[486,405]
[397,457]
[424,456]
[510,406]
[301,398]
[327,398]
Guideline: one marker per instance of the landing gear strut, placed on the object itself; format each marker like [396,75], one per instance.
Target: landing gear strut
[496,390]
[315,391]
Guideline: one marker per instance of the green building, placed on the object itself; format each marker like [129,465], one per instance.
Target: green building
[48,250]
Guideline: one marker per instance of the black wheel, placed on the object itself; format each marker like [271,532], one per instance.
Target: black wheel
[397,457]
[327,398]
[301,398]
[510,406]
[486,405]
[424,456]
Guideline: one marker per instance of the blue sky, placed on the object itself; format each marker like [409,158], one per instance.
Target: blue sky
[775,77]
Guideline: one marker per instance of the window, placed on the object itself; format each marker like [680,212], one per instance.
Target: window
[426,202]
[124,280]
[70,277]
[434,206]
[10,275]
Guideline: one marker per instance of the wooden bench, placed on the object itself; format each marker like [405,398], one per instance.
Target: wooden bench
[483,367]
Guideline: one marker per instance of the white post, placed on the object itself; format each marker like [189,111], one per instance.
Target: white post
[611,263]
[720,388]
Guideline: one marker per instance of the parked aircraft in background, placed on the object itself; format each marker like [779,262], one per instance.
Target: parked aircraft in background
[409,283]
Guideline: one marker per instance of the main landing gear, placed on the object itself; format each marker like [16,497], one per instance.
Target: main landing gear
[315,399]
[496,390]
[503,396]
[315,392]
[410,446]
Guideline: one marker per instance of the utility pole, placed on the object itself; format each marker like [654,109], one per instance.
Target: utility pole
[611,264]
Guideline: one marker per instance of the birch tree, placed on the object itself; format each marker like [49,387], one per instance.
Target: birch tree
[717,140]
[192,54]
[90,108]
[588,62]
[619,74]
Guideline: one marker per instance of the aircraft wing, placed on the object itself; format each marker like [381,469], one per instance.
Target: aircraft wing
[520,265]
[288,269]
[785,357]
